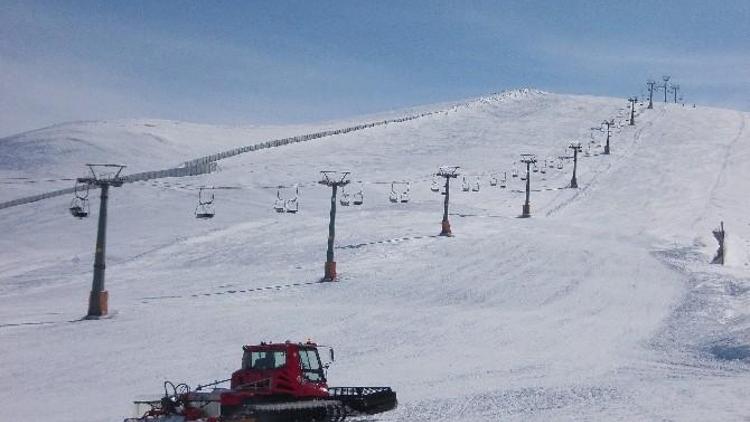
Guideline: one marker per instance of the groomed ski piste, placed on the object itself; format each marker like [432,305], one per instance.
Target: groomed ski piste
[601,306]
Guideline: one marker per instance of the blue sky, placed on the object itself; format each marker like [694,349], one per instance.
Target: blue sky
[275,62]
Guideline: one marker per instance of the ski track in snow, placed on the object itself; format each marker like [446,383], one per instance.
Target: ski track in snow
[614,158]
[721,176]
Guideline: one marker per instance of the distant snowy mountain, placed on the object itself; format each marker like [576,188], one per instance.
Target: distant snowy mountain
[602,306]
[143,144]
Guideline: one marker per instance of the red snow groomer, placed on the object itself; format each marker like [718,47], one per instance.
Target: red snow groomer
[278,382]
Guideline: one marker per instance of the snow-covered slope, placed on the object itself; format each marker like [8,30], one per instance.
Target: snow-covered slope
[55,155]
[601,306]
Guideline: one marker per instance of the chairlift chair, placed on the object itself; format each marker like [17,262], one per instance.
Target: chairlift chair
[514,171]
[475,186]
[559,163]
[543,170]
[493,180]
[205,208]
[405,195]
[435,186]
[359,198]
[292,204]
[465,185]
[344,200]
[279,205]
[79,206]
[503,183]
[393,196]
[535,169]
[204,211]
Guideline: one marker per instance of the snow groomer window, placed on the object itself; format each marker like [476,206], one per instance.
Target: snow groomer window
[267,360]
[310,363]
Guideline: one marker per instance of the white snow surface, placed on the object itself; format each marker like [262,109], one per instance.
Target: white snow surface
[602,306]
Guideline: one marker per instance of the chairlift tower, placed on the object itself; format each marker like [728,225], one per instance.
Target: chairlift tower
[333,179]
[529,159]
[609,124]
[675,88]
[665,87]
[447,172]
[102,176]
[576,147]
[632,100]
[651,84]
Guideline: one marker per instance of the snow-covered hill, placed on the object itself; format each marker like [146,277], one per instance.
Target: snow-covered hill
[602,306]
